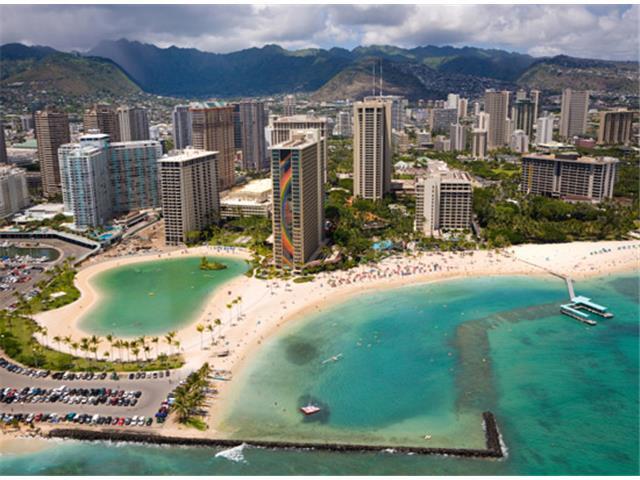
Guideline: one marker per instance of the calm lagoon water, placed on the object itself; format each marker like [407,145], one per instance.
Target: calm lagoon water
[154,297]
[418,360]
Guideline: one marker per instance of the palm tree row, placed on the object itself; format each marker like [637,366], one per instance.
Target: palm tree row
[190,395]
[135,347]
[209,327]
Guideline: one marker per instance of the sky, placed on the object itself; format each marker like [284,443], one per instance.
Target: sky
[591,31]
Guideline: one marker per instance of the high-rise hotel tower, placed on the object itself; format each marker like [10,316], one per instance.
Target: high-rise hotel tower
[372,148]
[298,199]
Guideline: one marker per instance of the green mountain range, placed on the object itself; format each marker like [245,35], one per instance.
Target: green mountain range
[122,67]
[43,68]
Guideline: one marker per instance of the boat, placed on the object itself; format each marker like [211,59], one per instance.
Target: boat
[310,409]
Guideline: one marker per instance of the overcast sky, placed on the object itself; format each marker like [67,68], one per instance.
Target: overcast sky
[595,31]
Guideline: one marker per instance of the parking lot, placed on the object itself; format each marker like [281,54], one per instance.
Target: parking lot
[152,391]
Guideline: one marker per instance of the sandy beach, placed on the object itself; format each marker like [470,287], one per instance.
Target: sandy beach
[267,305]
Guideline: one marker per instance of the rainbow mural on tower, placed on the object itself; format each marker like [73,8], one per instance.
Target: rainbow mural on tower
[286,206]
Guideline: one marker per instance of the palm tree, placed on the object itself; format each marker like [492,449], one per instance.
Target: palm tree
[127,346]
[75,346]
[93,349]
[84,344]
[57,339]
[177,345]
[155,341]
[239,306]
[135,350]
[210,329]
[44,332]
[169,337]
[67,340]
[109,338]
[200,329]
[146,349]
[95,341]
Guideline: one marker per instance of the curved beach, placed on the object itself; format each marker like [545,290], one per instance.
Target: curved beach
[268,305]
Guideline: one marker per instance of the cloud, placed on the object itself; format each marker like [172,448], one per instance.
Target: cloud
[596,31]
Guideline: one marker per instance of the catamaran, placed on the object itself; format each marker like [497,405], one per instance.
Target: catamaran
[310,409]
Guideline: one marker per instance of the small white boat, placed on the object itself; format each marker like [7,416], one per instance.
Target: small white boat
[310,409]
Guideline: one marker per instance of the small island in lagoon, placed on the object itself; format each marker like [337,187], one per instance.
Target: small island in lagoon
[206,264]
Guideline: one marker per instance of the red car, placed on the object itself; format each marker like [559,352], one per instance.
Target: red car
[121,422]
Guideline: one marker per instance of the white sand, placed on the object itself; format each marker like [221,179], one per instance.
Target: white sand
[268,305]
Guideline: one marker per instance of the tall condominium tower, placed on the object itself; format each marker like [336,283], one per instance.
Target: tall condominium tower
[452,100]
[249,127]
[544,130]
[134,124]
[479,143]
[524,110]
[133,171]
[519,141]
[458,136]
[442,119]
[343,124]
[14,194]
[443,200]
[289,105]
[398,105]
[282,127]
[190,197]
[84,170]
[372,148]
[463,106]
[104,119]
[570,176]
[3,144]
[496,104]
[212,130]
[52,131]
[298,199]
[573,115]
[615,127]
[482,121]
[535,98]
[181,121]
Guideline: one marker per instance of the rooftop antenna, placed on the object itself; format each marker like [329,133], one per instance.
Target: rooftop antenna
[380,77]
[373,92]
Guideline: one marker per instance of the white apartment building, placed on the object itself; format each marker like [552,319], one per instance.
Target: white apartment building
[190,197]
[443,200]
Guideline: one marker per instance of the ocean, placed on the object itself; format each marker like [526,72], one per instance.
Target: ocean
[390,367]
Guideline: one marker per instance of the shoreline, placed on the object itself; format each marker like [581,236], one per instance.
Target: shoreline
[269,305]
[74,313]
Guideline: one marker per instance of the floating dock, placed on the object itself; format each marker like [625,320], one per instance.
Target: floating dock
[579,304]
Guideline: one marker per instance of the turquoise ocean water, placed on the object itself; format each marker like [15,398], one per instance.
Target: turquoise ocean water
[152,298]
[423,360]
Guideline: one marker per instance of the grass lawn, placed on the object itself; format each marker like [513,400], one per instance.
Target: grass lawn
[18,342]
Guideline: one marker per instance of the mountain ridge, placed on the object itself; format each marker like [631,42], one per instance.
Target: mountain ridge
[327,74]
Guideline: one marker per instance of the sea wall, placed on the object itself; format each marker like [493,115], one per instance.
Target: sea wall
[492,437]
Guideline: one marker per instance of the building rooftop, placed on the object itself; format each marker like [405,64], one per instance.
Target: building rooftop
[205,105]
[255,186]
[298,139]
[32,143]
[441,169]
[573,157]
[300,119]
[186,154]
